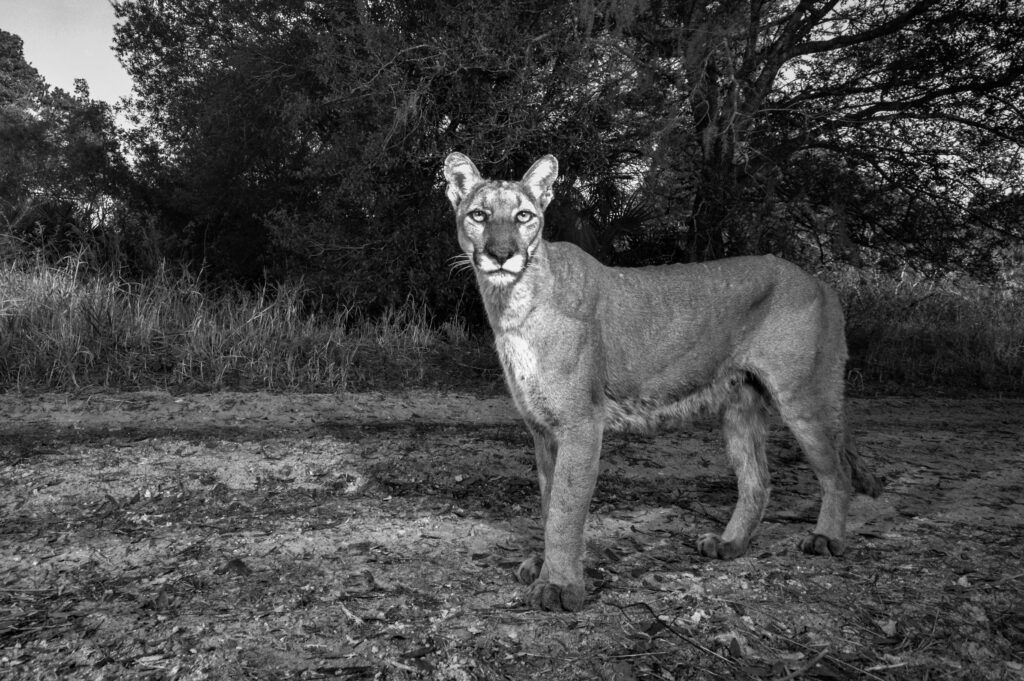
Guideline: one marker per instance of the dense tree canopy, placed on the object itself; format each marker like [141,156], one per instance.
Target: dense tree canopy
[60,163]
[824,128]
[303,138]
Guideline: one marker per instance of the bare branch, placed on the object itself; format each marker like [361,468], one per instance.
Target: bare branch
[890,27]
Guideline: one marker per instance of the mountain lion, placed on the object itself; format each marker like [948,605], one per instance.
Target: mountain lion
[587,348]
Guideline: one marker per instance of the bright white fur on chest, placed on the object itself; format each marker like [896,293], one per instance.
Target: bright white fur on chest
[518,358]
[521,371]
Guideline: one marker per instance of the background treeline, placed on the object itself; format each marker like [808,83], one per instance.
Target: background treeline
[295,146]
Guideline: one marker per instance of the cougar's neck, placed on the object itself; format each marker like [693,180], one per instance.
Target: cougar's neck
[508,307]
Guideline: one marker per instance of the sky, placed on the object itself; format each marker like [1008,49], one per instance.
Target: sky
[68,39]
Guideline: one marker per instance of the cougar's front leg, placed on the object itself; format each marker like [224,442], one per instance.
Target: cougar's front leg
[559,584]
[546,451]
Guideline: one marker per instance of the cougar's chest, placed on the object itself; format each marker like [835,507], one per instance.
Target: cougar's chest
[521,364]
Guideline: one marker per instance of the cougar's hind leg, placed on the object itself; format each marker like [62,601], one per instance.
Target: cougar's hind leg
[744,424]
[545,450]
[820,431]
[863,480]
[810,401]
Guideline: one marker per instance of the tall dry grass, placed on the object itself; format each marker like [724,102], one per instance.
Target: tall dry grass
[63,328]
[906,333]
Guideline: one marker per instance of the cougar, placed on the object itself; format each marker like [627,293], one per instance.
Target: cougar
[587,348]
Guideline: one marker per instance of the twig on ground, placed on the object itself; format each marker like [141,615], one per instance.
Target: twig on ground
[797,673]
[830,658]
[1010,578]
[688,639]
[354,617]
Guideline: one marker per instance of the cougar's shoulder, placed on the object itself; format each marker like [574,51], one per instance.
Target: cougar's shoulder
[575,279]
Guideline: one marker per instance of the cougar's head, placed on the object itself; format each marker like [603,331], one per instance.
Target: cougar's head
[499,223]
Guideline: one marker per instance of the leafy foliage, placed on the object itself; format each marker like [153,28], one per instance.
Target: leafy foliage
[61,167]
[840,129]
[303,139]
[308,140]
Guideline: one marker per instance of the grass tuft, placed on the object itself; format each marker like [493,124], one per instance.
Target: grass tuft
[63,328]
[912,334]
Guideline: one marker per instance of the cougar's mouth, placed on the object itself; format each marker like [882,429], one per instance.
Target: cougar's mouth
[501,278]
[500,273]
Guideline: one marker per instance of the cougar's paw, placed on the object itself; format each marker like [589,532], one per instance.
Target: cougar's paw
[820,545]
[712,546]
[529,570]
[547,596]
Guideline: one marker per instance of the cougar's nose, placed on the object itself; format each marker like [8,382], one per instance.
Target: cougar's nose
[500,251]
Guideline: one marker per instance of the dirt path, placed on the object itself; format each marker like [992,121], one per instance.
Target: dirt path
[224,536]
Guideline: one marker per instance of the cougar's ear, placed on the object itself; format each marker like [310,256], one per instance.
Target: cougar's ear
[539,179]
[462,176]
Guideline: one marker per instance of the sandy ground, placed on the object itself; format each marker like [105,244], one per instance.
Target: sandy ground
[254,535]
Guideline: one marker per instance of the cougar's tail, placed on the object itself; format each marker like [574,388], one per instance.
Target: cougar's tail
[864,481]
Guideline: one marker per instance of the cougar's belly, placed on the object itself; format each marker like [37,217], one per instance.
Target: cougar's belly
[648,413]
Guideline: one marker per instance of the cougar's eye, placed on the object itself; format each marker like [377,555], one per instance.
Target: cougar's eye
[477,215]
[524,216]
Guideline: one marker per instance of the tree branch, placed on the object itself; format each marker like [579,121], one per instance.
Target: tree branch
[888,28]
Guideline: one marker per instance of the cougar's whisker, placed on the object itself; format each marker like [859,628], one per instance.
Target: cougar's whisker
[460,262]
